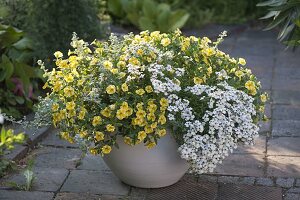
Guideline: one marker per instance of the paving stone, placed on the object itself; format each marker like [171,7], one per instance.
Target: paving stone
[294,190]
[291,196]
[112,197]
[265,127]
[286,128]
[91,162]
[230,192]
[247,180]
[287,72]
[285,182]
[258,148]
[283,166]
[53,139]
[138,193]
[283,146]
[286,112]
[298,183]
[286,97]
[264,181]
[286,84]
[228,179]
[189,178]
[260,66]
[77,196]
[17,153]
[241,164]
[207,178]
[95,182]
[47,179]
[57,157]
[24,195]
[183,190]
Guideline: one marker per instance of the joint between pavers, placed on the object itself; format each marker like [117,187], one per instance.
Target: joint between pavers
[58,190]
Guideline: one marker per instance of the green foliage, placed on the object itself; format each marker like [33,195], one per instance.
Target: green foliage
[52,22]
[286,15]
[29,178]
[148,14]
[7,141]
[217,11]
[16,76]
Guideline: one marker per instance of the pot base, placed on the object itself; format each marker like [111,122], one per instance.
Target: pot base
[138,166]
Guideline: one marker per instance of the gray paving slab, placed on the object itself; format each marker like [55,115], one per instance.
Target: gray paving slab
[53,139]
[57,157]
[95,182]
[283,146]
[287,72]
[46,179]
[264,181]
[24,195]
[286,84]
[258,148]
[283,166]
[242,165]
[297,183]
[286,128]
[77,196]
[91,162]
[285,182]
[230,192]
[284,112]
[286,97]
[291,196]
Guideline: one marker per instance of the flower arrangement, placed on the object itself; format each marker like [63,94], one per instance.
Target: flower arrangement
[139,86]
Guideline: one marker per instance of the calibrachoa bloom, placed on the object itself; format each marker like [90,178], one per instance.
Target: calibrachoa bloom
[138,86]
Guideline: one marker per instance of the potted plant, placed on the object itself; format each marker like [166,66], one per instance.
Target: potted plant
[153,105]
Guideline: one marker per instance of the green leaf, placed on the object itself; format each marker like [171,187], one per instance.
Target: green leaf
[149,9]
[163,21]
[146,24]
[270,3]
[270,14]
[7,66]
[115,7]
[10,36]
[178,19]
[23,44]
[279,19]
[20,100]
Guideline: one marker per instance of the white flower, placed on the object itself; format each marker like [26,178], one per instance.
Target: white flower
[1,119]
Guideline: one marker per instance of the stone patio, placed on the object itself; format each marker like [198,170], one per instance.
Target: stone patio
[269,170]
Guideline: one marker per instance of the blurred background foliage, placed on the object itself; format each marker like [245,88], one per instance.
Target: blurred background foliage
[34,29]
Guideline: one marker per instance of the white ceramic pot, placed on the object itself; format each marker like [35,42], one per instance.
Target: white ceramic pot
[140,167]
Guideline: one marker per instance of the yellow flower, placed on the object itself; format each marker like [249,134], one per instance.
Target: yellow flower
[242,61]
[110,128]
[81,114]
[209,71]
[70,105]
[165,42]
[208,51]
[151,117]
[124,87]
[97,120]
[58,54]
[106,112]
[111,89]
[83,134]
[162,119]
[93,151]
[68,91]
[140,113]
[250,85]
[150,145]
[149,89]
[99,136]
[114,70]
[140,92]
[148,129]
[161,132]
[134,61]
[55,107]
[127,140]
[69,78]
[164,102]
[198,80]
[121,114]
[121,64]
[263,98]
[140,52]
[142,135]
[107,65]
[239,74]
[106,149]
[155,34]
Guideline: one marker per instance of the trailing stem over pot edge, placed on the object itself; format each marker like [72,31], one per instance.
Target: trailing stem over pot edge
[139,85]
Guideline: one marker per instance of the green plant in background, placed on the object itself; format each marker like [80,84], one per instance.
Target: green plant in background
[148,14]
[29,178]
[7,141]
[286,14]
[17,78]
[51,24]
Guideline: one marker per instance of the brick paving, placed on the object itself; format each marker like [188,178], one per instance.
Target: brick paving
[269,170]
